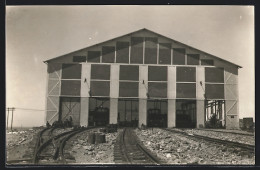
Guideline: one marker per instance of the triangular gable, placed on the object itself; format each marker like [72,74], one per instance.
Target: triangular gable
[127,38]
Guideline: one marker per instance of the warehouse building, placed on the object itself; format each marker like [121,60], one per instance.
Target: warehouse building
[142,78]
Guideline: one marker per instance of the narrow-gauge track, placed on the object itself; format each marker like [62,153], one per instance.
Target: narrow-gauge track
[247,147]
[228,132]
[52,151]
[129,150]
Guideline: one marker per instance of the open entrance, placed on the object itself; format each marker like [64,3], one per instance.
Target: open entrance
[215,114]
[98,111]
[70,108]
[128,112]
[185,113]
[157,113]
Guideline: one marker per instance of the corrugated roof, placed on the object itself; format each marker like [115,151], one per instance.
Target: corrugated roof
[144,29]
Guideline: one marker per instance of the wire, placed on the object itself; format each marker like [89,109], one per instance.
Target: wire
[28,109]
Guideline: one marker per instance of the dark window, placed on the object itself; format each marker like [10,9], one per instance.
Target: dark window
[100,88]
[207,62]
[150,50]
[178,56]
[95,103]
[186,74]
[71,71]
[79,58]
[128,112]
[108,54]
[157,89]
[122,52]
[94,56]
[137,50]
[157,73]
[214,91]
[215,75]
[193,59]
[128,89]
[157,113]
[70,87]
[186,90]
[101,72]
[129,72]
[165,53]
[185,113]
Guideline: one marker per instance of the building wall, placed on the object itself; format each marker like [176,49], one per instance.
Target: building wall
[230,82]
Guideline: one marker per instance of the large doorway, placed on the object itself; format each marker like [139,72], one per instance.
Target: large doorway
[128,112]
[70,107]
[157,113]
[186,113]
[98,111]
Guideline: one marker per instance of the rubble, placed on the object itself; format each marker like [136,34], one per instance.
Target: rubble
[178,149]
[86,153]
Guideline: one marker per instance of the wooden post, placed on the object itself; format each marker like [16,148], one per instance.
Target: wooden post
[12,118]
[7,117]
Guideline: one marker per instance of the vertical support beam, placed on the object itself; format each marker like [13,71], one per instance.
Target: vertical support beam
[200,77]
[114,93]
[200,108]
[84,93]
[113,110]
[171,93]
[142,112]
[143,86]
[85,80]
[171,113]
[84,111]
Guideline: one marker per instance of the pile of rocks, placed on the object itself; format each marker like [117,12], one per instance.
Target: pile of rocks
[178,149]
[86,153]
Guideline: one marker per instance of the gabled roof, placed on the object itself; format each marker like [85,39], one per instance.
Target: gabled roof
[144,29]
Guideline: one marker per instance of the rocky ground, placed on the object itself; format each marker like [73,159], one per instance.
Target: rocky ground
[178,149]
[224,136]
[20,143]
[85,153]
[173,148]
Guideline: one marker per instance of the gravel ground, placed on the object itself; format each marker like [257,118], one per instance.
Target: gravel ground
[20,144]
[224,136]
[85,153]
[178,149]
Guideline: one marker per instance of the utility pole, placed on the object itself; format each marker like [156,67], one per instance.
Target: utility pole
[12,118]
[7,117]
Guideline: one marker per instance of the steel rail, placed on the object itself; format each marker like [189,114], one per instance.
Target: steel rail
[250,148]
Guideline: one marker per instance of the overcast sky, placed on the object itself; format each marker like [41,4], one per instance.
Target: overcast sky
[38,33]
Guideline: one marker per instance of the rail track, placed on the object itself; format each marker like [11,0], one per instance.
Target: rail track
[129,150]
[228,132]
[246,147]
[52,150]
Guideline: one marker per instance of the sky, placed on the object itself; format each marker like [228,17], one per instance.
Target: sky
[37,33]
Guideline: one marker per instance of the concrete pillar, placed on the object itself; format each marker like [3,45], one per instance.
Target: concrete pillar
[171,113]
[84,94]
[114,93]
[113,111]
[200,113]
[84,109]
[85,80]
[142,112]
[171,93]
[143,77]
[200,77]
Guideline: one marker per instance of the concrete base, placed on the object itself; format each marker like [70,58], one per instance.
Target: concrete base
[113,111]
[171,113]
[200,114]
[84,110]
[142,112]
